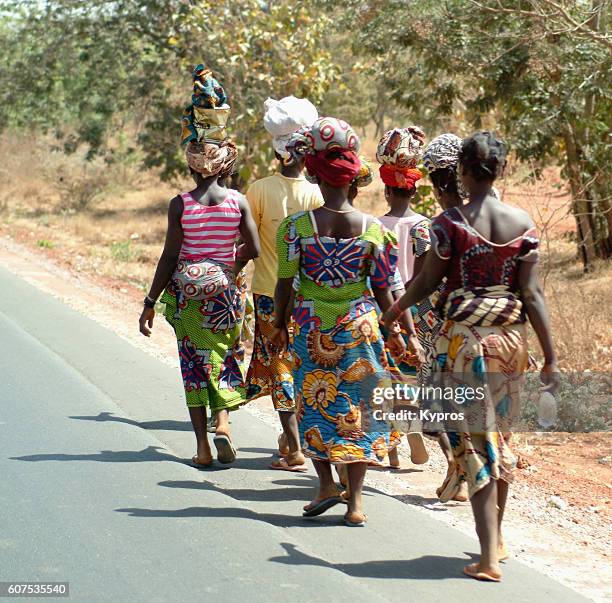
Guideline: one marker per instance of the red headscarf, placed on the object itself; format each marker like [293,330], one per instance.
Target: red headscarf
[399,177]
[335,166]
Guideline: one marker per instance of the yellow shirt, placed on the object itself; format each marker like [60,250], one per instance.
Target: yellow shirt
[272,199]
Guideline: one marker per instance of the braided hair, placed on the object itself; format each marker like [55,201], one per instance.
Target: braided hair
[483,156]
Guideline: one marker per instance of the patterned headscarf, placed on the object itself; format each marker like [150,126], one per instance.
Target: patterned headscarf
[365,174]
[330,149]
[210,159]
[399,152]
[443,152]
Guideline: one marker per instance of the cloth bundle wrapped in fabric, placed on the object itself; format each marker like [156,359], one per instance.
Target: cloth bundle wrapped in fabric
[205,118]
[284,117]
[330,150]
[399,152]
[208,149]
[365,176]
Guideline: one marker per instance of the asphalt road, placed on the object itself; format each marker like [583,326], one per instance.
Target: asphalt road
[95,491]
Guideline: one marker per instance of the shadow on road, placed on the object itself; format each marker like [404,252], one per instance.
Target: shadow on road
[275,519]
[427,567]
[166,425]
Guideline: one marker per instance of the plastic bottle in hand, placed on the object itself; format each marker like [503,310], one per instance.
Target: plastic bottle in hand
[547,410]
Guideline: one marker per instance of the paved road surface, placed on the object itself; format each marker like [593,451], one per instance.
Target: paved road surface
[95,491]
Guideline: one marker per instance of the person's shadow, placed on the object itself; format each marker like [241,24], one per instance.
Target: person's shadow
[146,455]
[165,425]
[427,567]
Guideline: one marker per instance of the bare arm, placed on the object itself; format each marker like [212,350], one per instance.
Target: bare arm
[424,284]
[167,261]
[282,297]
[249,248]
[532,297]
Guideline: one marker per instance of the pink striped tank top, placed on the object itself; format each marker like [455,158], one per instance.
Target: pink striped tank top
[210,231]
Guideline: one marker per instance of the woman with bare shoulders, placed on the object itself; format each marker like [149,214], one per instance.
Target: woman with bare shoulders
[488,252]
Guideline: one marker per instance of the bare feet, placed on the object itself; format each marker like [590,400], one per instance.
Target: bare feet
[283,445]
[355,519]
[203,457]
[478,572]
[394,460]
[502,549]
[462,493]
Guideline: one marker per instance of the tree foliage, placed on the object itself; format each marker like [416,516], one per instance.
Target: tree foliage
[538,71]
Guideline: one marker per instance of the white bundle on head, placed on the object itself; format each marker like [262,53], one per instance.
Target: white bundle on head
[284,117]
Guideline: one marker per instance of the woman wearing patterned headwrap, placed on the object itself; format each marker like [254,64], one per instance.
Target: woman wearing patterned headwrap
[441,158]
[488,252]
[399,152]
[200,273]
[338,349]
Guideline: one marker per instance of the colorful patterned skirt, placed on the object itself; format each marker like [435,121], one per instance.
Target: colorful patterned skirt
[335,373]
[210,350]
[494,357]
[270,373]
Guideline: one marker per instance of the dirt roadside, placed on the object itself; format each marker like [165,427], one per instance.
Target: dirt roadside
[558,519]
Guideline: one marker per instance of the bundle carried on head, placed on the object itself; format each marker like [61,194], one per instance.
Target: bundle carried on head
[440,158]
[399,152]
[284,117]
[330,150]
[364,176]
[208,150]
[483,155]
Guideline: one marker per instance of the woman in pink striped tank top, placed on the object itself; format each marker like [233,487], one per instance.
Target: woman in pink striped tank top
[201,275]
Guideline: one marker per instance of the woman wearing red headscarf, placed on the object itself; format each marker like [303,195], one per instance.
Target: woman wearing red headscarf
[346,262]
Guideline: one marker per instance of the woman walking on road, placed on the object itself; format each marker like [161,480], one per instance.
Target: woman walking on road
[488,252]
[338,349]
[201,274]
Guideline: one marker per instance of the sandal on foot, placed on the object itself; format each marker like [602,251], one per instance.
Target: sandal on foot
[197,463]
[473,571]
[321,506]
[283,465]
[226,453]
[355,524]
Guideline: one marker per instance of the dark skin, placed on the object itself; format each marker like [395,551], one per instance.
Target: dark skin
[338,226]
[209,192]
[498,223]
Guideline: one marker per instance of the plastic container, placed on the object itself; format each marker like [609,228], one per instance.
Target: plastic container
[547,410]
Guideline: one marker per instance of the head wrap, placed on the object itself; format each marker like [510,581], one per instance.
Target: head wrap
[443,153]
[330,148]
[365,174]
[209,159]
[207,148]
[399,152]
[284,117]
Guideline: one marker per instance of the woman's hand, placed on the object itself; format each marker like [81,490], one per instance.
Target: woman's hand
[146,318]
[397,346]
[416,349]
[279,337]
[550,378]
[388,318]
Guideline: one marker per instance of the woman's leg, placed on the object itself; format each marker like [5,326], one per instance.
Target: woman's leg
[356,475]
[447,451]
[289,423]
[327,485]
[484,506]
[197,414]
[502,497]
[222,422]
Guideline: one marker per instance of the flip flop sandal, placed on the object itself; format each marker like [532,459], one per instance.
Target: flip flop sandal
[283,465]
[355,524]
[473,572]
[418,452]
[197,463]
[322,506]
[226,453]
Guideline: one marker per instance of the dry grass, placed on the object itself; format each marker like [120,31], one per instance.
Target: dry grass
[121,232]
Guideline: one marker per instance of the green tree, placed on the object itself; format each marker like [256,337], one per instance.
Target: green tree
[86,70]
[536,70]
